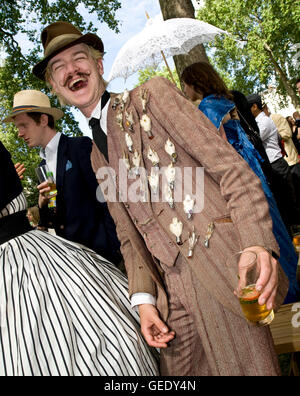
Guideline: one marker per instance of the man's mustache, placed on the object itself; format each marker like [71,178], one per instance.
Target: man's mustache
[79,74]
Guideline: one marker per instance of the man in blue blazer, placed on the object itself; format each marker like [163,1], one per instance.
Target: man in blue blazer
[79,216]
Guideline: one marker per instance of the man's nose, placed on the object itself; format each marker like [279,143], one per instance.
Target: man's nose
[72,68]
[70,71]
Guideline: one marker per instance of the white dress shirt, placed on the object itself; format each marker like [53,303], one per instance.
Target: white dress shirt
[136,298]
[49,154]
[269,136]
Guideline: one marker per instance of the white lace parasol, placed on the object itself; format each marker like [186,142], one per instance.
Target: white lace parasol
[173,37]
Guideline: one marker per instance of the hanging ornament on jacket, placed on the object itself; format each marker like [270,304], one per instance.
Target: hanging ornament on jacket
[136,160]
[153,157]
[208,235]
[129,142]
[145,122]
[125,96]
[168,196]
[171,150]
[170,174]
[193,239]
[116,102]
[188,206]
[154,180]
[129,121]
[176,228]
[119,119]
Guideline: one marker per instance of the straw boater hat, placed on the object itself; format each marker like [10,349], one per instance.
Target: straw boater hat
[32,101]
[59,36]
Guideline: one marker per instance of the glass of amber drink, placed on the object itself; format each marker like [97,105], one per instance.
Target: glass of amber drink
[296,237]
[44,174]
[248,271]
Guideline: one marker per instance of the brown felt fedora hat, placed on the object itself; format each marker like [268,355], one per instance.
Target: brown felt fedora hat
[32,101]
[59,36]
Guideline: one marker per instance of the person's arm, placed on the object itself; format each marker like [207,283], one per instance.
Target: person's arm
[263,131]
[154,330]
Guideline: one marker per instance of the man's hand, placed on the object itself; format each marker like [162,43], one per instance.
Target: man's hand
[267,282]
[20,169]
[44,190]
[154,330]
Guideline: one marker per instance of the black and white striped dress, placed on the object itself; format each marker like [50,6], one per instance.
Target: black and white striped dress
[64,311]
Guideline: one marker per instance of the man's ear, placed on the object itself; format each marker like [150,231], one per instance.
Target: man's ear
[51,84]
[44,120]
[100,66]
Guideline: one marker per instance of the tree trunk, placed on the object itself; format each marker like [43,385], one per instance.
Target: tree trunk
[183,9]
[285,81]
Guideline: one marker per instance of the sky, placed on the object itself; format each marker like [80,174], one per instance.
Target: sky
[132,17]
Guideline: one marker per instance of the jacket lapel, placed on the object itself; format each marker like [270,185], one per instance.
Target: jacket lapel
[61,160]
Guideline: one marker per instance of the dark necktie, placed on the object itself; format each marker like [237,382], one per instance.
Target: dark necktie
[99,135]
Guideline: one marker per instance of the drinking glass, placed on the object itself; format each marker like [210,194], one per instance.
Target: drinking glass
[296,237]
[247,268]
[44,174]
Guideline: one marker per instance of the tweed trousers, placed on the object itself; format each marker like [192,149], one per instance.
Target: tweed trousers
[210,340]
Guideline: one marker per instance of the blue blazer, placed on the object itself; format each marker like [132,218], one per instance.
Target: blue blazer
[79,216]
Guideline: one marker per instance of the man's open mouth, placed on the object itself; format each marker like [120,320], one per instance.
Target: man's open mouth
[78,84]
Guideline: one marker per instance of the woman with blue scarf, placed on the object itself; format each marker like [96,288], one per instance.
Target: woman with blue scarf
[202,82]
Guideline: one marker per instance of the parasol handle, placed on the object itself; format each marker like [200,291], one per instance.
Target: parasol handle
[163,55]
[168,67]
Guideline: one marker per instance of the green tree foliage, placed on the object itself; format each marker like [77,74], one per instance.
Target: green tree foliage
[147,74]
[269,30]
[21,23]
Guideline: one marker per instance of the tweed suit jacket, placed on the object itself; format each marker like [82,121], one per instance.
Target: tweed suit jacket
[233,198]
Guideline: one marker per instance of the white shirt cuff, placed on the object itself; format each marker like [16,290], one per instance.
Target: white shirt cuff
[142,298]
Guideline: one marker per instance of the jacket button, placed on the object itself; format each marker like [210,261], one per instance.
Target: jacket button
[62,227]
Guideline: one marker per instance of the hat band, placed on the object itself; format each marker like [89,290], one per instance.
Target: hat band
[19,109]
[59,42]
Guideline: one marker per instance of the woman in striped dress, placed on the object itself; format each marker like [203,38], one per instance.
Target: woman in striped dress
[64,309]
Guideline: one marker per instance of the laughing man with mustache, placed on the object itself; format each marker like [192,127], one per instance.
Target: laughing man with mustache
[186,302]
